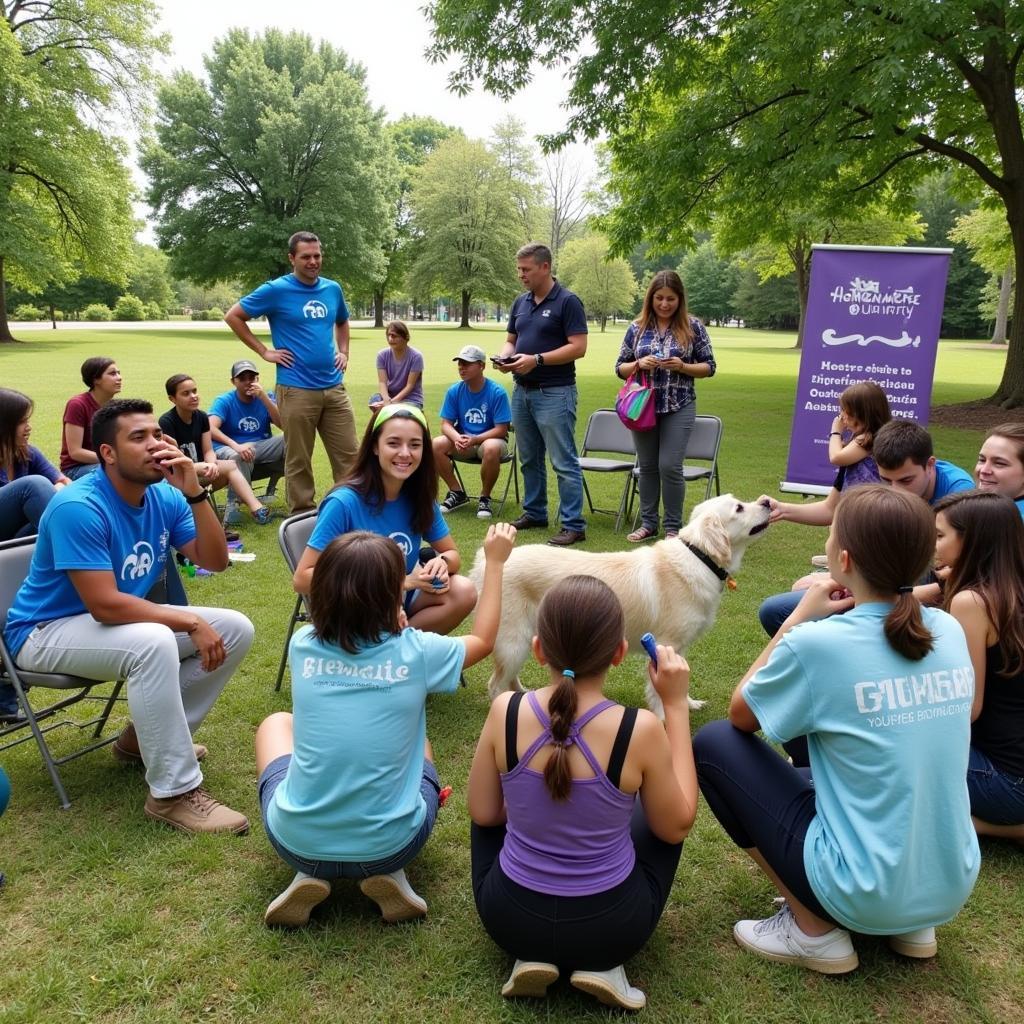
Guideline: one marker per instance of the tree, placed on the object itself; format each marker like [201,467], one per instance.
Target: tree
[568,201]
[149,277]
[604,284]
[413,140]
[280,137]
[468,222]
[770,100]
[984,232]
[710,282]
[770,305]
[508,143]
[68,67]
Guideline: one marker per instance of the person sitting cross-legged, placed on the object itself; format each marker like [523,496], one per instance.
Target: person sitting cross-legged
[474,427]
[82,610]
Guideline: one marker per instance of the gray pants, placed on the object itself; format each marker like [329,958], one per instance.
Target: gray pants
[269,462]
[169,694]
[660,457]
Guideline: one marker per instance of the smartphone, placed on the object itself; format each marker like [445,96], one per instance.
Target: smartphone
[650,645]
[374,399]
[501,360]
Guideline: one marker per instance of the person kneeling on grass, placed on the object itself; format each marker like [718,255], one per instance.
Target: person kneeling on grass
[570,871]
[347,782]
[882,842]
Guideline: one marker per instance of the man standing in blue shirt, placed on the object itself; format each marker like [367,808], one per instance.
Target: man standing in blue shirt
[474,427]
[83,609]
[547,333]
[309,330]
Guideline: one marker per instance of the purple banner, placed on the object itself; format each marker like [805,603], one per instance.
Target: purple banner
[872,314]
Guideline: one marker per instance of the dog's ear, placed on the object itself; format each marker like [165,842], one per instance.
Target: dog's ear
[713,538]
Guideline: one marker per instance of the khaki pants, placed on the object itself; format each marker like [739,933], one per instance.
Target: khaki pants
[304,414]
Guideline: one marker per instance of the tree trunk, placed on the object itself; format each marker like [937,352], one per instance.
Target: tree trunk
[1010,393]
[1005,284]
[604,321]
[378,307]
[803,283]
[5,330]
[464,322]
[53,315]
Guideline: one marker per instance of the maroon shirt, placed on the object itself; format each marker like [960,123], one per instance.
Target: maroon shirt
[79,412]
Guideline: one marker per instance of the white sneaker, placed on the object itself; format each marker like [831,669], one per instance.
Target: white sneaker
[292,908]
[397,899]
[529,978]
[780,939]
[611,987]
[920,944]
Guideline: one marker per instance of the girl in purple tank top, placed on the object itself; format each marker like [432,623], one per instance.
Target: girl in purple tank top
[863,409]
[570,871]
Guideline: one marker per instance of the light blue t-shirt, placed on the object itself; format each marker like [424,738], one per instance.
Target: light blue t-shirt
[352,792]
[302,319]
[949,479]
[89,526]
[345,510]
[242,421]
[476,412]
[891,848]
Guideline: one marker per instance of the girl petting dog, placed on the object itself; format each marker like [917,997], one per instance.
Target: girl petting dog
[570,871]
[979,552]
[347,783]
[881,843]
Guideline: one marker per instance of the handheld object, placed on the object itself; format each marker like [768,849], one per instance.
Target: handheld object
[437,583]
[650,645]
[374,398]
[501,360]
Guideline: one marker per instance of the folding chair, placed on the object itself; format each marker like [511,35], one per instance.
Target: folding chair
[293,536]
[15,557]
[511,478]
[607,433]
[703,444]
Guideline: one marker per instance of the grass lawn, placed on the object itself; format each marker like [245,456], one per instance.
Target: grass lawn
[109,917]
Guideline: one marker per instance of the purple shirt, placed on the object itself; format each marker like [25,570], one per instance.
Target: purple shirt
[397,372]
[36,464]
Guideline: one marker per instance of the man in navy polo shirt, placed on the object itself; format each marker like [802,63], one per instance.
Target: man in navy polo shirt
[547,333]
[309,330]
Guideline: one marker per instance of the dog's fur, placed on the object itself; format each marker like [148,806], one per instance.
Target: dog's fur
[664,588]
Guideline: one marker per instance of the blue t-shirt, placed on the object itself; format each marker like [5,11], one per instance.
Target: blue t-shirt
[242,421]
[1019,502]
[949,479]
[89,526]
[476,412]
[345,510]
[542,327]
[352,792]
[891,848]
[302,319]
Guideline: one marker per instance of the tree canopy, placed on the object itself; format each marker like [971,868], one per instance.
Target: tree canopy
[65,192]
[753,105]
[605,284]
[279,137]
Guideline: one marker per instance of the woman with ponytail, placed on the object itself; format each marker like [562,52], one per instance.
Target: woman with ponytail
[570,870]
[882,842]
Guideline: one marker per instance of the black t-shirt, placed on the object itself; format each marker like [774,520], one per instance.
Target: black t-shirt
[998,732]
[188,436]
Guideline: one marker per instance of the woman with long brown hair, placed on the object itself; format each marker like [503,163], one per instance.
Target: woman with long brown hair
[673,349]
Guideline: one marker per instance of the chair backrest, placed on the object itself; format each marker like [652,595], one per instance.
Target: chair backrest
[607,433]
[15,558]
[705,439]
[293,536]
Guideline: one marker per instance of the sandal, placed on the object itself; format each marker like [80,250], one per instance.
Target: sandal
[638,536]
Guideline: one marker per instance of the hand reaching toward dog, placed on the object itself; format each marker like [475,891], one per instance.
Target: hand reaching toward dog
[499,542]
[671,679]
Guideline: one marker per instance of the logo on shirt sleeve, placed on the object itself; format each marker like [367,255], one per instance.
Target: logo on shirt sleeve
[314,310]
[138,563]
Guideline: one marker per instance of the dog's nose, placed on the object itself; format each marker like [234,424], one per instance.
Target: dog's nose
[765,503]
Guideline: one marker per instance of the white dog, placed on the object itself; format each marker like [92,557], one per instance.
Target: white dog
[671,588]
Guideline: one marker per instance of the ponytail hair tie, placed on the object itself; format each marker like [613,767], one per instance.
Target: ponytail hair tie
[568,673]
[904,590]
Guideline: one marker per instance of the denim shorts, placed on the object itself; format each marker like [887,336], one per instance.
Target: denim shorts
[996,797]
[430,788]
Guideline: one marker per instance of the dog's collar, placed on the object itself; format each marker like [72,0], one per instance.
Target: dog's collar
[722,574]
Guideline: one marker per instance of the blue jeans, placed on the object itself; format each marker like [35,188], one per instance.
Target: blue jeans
[22,502]
[776,609]
[545,424]
[430,789]
[996,797]
[77,472]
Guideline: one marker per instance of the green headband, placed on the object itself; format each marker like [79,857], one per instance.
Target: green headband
[400,409]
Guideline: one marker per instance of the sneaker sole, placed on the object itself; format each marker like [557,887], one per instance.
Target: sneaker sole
[812,963]
[485,515]
[605,993]
[394,905]
[238,830]
[914,950]
[530,981]
[292,908]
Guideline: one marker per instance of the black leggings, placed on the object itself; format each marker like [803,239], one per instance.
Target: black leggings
[593,933]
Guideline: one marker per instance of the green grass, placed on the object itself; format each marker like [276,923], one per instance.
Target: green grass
[107,917]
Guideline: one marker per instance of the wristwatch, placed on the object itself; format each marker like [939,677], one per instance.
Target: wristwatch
[197,499]
[539,356]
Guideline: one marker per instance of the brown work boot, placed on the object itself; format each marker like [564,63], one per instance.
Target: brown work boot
[194,812]
[565,537]
[126,748]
